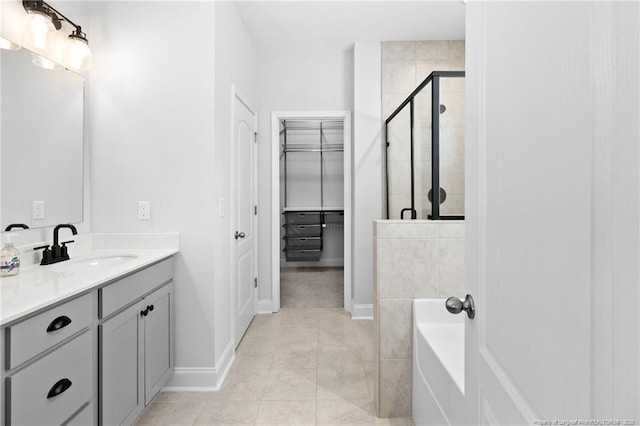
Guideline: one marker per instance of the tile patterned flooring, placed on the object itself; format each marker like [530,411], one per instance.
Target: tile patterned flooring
[301,366]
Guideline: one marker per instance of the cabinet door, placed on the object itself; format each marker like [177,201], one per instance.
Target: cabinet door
[121,367]
[157,340]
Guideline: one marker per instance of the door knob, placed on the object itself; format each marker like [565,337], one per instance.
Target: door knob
[240,235]
[455,306]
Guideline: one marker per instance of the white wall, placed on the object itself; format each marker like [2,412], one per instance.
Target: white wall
[367,177]
[236,64]
[315,79]
[152,128]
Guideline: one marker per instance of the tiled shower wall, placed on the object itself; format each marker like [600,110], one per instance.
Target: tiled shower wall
[404,66]
[412,259]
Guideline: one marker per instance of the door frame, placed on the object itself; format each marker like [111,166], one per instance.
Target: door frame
[236,93]
[276,116]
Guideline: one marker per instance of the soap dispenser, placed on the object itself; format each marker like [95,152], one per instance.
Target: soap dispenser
[9,258]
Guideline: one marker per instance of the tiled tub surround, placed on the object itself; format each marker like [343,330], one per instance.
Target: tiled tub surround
[405,64]
[412,259]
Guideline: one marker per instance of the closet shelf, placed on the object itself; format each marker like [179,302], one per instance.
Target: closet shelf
[313,209]
[313,125]
[307,147]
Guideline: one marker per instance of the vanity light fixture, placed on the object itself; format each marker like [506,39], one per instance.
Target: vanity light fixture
[42,19]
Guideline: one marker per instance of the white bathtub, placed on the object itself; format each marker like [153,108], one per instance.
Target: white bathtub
[438,364]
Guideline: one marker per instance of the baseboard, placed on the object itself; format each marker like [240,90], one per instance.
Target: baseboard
[204,379]
[362,312]
[322,263]
[265,306]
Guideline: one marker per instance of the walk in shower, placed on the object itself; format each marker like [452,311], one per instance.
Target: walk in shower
[425,150]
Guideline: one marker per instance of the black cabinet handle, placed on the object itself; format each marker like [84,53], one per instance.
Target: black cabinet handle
[60,386]
[58,323]
[145,312]
[150,308]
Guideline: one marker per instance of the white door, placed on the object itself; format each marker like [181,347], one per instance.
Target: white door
[245,214]
[552,211]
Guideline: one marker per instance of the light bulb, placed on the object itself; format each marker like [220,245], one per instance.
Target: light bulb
[8,45]
[38,27]
[78,52]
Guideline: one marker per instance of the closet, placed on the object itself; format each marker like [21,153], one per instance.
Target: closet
[312,204]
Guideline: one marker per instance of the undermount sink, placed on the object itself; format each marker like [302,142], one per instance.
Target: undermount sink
[92,263]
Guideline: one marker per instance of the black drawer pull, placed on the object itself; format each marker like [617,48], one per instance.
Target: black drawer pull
[151,308]
[58,323]
[60,386]
[145,312]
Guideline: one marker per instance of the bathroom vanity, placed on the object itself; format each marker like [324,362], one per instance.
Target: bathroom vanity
[89,340]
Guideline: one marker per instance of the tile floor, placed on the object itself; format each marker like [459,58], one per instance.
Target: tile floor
[301,366]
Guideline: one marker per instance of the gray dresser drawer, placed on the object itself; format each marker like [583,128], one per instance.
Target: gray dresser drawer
[37,334]
[50,390]
[83,418]
[123,292]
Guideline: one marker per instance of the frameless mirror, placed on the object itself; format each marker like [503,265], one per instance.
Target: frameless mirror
[41,145]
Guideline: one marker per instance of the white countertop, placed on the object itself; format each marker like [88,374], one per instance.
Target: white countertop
[37,287]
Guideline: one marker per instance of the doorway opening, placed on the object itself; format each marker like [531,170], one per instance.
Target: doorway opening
[311,226]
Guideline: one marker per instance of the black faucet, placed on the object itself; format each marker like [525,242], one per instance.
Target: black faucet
[57,229]
[57,253]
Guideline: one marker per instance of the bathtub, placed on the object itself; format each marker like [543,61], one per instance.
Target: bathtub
[438,364]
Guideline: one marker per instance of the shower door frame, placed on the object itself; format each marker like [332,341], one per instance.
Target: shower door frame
[276,116]
[433,78]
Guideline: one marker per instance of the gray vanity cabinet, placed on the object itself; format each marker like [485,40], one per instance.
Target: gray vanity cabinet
[136,357]
[121,367]
[48,365]
[157,341]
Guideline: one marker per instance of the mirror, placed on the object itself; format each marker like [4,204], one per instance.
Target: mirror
[41,145]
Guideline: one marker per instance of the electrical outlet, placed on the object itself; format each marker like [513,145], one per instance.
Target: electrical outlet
[144,210]
[38,211]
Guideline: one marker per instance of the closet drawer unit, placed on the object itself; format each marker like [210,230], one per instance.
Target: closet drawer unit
[52,389]
[302,218]
[303,230]
[37,334]
[304,243]
[302,255]
[334,218]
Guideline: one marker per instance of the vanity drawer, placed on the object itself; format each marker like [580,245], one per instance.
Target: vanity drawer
[83,418]
[50,390]
[37,334]
[123,292]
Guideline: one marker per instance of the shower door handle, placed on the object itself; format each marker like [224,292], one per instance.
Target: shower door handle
[455,306]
